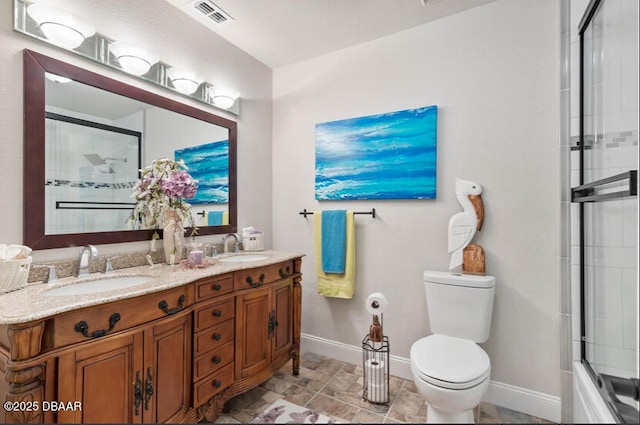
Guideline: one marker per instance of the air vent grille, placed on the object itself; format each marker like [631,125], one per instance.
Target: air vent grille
[212,11]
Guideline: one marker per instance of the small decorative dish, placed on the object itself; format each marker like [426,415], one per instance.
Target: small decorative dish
[208,261]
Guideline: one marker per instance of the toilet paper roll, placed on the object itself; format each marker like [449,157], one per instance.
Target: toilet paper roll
[377,393]
[376,303]
[376,381]
[375,371]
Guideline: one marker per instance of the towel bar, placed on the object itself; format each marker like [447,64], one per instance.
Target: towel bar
[372,213]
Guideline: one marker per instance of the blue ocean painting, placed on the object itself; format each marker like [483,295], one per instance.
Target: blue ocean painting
[385,156]
[209,164]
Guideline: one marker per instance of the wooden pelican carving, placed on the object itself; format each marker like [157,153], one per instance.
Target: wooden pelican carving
[463,226]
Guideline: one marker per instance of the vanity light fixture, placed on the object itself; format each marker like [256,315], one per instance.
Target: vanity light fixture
[223,97]
[132,58]
[54,26]
[185,82]
[60,27]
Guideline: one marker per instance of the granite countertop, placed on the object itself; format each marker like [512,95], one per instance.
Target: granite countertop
[31,303]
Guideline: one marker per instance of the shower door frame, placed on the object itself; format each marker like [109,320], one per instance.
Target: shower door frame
[588,193]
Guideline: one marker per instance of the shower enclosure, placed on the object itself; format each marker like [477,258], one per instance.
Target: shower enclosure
[608,204]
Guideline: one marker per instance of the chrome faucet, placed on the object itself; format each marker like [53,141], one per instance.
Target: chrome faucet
[236,246]
[84,260]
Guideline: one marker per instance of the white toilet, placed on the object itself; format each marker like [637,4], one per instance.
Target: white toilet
[449,369]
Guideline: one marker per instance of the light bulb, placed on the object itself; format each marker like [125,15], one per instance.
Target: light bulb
[223,97]
[184,81]
[133,59]
[60,27]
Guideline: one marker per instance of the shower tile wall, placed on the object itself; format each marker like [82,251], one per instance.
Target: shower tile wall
[611,244]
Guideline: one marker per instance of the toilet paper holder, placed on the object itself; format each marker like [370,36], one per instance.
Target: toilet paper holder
[375,364]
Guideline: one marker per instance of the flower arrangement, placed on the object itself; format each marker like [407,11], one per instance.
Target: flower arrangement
[163,186]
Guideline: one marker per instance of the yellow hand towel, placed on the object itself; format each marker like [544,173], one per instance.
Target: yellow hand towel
[332,284]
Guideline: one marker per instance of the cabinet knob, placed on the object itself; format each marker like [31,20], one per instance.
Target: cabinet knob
[217,287]
[216,360]
[217,383]
[217,336]
[217,313]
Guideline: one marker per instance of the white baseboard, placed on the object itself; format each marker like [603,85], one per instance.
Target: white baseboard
[515,398]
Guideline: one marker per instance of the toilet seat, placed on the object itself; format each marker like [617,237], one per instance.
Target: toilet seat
[450,362]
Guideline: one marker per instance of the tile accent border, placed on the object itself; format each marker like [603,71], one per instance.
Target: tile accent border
[516,398]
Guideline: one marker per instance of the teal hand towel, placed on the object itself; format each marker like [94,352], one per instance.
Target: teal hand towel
[334,237]
[214,218]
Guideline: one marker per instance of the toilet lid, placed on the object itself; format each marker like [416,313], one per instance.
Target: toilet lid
[450,362]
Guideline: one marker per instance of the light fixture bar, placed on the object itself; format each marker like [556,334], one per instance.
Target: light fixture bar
[103,50]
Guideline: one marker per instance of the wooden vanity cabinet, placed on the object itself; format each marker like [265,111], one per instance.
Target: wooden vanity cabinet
[166,357]
[264,330]
[140,376]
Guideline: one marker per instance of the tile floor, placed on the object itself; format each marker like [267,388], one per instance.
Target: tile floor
[334,388]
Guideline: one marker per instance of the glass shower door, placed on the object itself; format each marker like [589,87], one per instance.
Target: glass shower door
[608,202]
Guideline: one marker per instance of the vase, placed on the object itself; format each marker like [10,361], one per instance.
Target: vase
[173,237]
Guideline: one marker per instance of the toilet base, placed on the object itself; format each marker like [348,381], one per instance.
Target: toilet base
[436,416]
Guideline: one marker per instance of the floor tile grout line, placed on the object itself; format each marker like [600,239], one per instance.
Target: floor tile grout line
[319,392]
[404,381]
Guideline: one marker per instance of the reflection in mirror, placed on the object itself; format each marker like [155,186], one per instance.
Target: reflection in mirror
[82,161]
[90,169]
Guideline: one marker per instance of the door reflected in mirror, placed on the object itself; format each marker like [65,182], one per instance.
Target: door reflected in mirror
[86,139]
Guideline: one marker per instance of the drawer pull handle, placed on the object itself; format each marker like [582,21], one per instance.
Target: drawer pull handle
[253,284]
[83,328]
[217,313]
[216,360]
[217,383]
[217,336]
[285,273]
[148,390]
[164,306]
[217,287]
[273,323]
[138,393]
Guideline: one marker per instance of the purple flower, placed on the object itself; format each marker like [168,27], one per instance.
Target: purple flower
[180,185]
[162,185]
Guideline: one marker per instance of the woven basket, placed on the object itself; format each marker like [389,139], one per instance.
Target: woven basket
[253,242]
[14,274]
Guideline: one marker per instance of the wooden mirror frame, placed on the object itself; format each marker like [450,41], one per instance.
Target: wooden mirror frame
[35,66]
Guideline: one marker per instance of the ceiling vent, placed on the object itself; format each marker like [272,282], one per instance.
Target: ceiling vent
[212,11]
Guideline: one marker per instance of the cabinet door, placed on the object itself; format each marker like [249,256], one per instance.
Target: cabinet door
[252,332]
[104,376]
[282,335]
[167,370]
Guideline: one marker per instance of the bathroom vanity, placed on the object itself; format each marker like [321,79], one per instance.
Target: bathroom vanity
[172,349]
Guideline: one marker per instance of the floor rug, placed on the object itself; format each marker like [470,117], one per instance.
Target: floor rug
[284,412]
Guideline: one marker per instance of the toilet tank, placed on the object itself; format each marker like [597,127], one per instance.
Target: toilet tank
[459,305]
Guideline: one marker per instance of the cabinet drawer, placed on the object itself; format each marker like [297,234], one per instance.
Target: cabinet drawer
[213,286]
[213,361]
[253,278]
[101,320]
[211,386]
[214,314]
[213,337]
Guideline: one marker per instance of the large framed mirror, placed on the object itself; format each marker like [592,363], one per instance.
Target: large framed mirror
[85,140]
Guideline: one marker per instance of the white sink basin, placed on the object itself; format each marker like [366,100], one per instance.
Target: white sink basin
[99,285]
[241,258]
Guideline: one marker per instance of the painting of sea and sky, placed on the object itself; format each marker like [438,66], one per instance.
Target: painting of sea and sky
[385,156]
[209,164]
